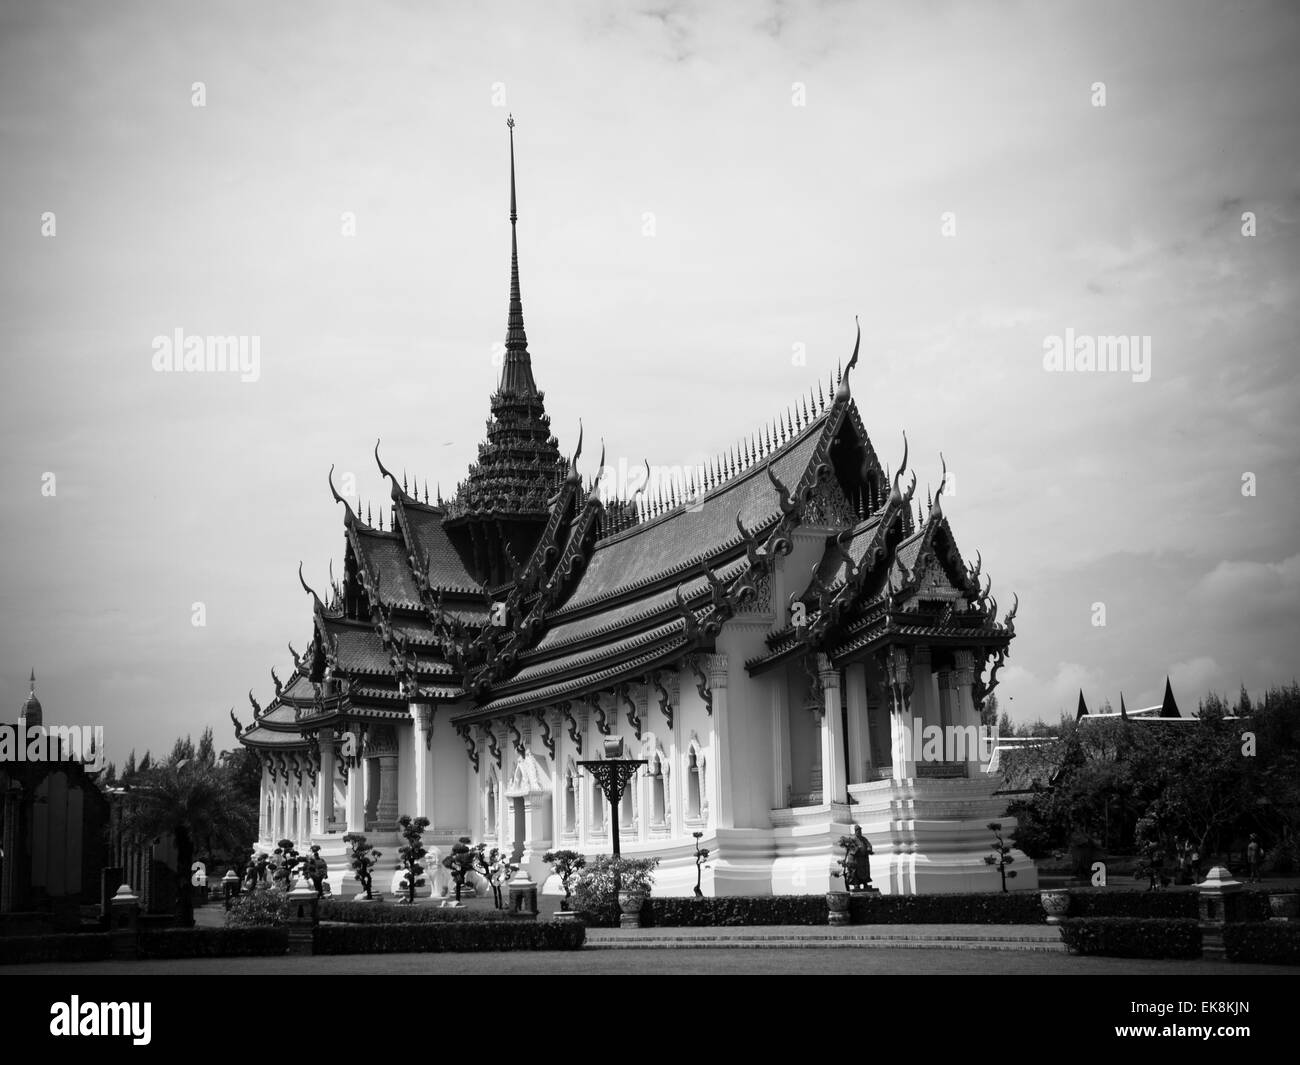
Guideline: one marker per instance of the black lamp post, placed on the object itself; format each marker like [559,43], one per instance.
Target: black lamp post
[613,773]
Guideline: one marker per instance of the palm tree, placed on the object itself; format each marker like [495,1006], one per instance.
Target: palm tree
[193,802]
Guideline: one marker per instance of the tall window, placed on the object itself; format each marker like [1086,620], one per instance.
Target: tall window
[693,786]
[490,828]
[570,804]
[657,804]
[597,807]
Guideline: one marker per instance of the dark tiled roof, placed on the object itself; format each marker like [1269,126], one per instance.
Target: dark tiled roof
[588,681]
[677,541]
[446,569]
[265,737]
[385,556]
[627,615]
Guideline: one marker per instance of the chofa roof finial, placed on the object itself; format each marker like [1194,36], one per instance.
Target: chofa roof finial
[842,392]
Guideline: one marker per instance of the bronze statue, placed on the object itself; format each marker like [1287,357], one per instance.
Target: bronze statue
[857,860]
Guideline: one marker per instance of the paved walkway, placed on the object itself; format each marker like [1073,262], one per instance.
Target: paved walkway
[869,960]
[951,936]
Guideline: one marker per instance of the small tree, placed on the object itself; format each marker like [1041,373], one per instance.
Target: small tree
[566,865]
[363,858]
[494,868]
[1001,856]
[285,862]
[316,869]
[460,863]
[259,865]
[701,856]
[410,853]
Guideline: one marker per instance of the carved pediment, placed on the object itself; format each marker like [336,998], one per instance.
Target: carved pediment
[529,780]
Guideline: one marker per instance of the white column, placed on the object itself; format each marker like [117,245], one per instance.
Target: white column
[325,781]
[898,683]
[859,739]
[677,759]
[265,793]
[422,716]
[964,712]
[557,779]
[302,792]
[832,733]
[780,725]
[723,810]
[356,809]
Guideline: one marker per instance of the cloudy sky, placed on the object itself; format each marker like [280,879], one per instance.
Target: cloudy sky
[705,191]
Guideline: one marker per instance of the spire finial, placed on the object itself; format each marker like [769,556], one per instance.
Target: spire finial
[510,124]
[516,372]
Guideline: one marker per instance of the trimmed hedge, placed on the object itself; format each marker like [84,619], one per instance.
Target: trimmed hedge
[1126,937]
[89,946]
[384,913]
[454,936]
[214,943]
[1173,905]
[1274,942]
[1148,905]
[983,908]
[732,910]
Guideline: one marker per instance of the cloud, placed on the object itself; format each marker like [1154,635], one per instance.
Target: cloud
[1257,593]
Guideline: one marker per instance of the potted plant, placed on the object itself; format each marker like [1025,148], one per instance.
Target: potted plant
[634,877]
[1056,904]
[837,901]
[566,865]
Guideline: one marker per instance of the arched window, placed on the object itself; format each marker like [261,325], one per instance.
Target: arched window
[490,809]
[626,810]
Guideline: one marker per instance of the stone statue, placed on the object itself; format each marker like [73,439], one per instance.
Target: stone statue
[857,860]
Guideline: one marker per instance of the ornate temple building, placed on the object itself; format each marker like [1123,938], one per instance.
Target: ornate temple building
[770,634]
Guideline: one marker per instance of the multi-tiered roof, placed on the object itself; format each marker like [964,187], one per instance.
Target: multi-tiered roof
[528,591]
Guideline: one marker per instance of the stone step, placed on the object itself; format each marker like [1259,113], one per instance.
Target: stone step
[952,937]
